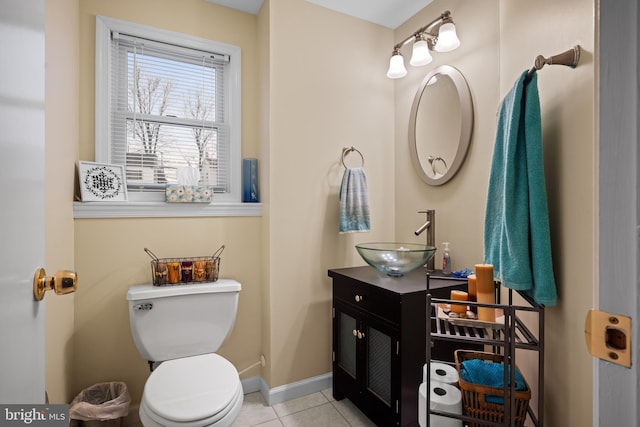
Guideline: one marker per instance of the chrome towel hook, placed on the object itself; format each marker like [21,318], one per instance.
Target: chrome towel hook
[346,151]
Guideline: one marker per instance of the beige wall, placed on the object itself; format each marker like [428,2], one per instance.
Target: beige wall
[109,253]
[567,99]
[61,109]
[500,39]
[324,94]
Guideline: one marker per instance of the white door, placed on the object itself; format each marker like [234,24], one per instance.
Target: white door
[22,200]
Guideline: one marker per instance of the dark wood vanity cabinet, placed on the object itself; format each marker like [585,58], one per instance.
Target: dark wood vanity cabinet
[379,339]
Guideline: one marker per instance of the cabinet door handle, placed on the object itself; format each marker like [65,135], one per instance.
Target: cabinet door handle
[360,335]
[359,298]
[355,333]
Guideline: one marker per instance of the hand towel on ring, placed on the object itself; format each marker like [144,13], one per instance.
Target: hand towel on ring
[354,202]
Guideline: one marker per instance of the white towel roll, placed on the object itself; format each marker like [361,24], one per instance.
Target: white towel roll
[441,372]
[444,398]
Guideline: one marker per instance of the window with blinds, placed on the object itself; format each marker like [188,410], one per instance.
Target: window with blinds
[168,109]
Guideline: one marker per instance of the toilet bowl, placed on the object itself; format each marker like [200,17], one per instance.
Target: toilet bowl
[182,327]
[193,391]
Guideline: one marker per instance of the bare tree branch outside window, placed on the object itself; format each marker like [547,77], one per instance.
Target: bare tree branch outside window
[149,95]
[198,109]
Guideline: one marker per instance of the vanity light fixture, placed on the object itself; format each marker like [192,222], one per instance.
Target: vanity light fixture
[396,66]
[439,35]
[421,55]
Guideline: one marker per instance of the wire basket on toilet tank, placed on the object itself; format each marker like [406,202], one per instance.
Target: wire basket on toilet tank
[185,270]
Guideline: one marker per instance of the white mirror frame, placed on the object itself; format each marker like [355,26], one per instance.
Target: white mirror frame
[466,124]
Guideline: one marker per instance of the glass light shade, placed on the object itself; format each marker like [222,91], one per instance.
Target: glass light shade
[447,38]
[396,67]
[421,55]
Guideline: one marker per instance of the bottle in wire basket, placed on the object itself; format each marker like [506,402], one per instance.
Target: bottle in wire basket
[446,259]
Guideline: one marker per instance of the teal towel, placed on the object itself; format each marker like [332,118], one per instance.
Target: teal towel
[354,202]
[490,374]
[516,230]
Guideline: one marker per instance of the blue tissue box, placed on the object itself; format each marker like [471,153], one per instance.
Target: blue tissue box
[176,193]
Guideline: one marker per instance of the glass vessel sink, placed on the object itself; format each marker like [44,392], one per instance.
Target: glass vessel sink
[395,259]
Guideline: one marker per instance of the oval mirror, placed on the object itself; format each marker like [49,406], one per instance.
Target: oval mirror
[440,125]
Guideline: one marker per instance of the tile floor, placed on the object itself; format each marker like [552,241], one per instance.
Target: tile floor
[315,410]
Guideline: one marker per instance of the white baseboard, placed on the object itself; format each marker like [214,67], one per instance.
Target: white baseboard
[252,384]
[289,391]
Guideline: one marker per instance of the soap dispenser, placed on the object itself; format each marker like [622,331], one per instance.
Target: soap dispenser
[446,259]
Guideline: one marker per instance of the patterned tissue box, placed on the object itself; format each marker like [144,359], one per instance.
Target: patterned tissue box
[176,193]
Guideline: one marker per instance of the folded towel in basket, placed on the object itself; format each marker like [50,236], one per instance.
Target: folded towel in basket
[354,202]
[489,374]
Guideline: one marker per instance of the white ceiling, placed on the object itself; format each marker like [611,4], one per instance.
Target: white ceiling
[249,6]
[388,13]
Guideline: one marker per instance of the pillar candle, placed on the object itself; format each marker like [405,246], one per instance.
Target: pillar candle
[485,291]
[471,288]
[460,309]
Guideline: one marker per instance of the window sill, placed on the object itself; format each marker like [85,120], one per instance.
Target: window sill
[163,210]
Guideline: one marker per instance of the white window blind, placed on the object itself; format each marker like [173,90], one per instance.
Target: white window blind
[168,113]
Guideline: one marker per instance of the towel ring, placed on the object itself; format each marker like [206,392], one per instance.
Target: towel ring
[432,160]
[346,151]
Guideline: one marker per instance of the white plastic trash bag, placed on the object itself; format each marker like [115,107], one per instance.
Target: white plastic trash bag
[103,401]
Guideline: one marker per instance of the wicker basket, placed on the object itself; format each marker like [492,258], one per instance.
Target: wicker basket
[474,395]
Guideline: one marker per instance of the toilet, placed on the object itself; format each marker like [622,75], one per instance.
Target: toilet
[178,329]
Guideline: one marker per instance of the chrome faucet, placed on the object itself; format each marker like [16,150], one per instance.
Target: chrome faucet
[430,226]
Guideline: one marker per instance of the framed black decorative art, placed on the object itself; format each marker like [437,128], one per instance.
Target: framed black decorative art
[101,182]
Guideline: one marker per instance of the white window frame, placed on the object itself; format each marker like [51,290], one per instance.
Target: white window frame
[151,204]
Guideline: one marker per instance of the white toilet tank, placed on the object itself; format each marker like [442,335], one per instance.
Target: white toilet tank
[169,322]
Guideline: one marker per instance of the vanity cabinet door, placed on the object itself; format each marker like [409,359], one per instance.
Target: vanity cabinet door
[380,371]
[366,363]
[345,354]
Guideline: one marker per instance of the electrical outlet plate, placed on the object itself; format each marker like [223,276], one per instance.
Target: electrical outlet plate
[608,337]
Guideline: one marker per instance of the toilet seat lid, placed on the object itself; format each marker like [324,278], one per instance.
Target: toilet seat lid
[191,388]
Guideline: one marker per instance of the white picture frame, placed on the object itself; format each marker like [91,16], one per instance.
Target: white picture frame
[101,182]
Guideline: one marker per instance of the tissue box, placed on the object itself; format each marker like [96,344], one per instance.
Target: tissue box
[177,193]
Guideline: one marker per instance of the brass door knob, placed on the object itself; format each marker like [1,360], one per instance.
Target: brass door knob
[63,282]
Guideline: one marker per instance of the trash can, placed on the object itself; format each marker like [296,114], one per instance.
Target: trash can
[101,405]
